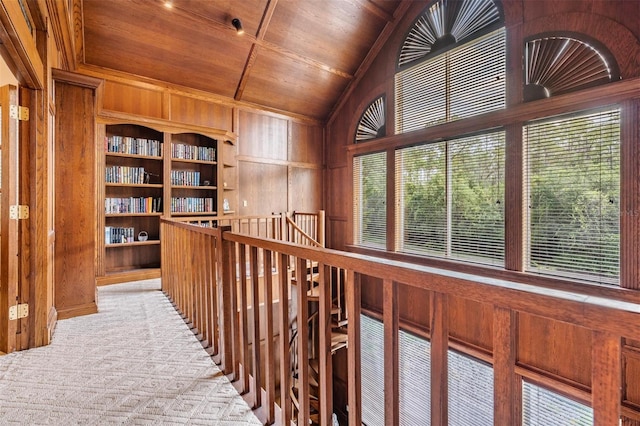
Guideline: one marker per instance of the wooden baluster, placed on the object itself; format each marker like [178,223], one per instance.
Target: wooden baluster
[439,359]
[326,360]
[303,342]
[212,292]
[285,361]
[353,295]
[391,353]
[269,347]
[226,306]
[243,303]
[255,340]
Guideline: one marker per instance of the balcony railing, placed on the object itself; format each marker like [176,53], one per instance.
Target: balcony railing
[216,278]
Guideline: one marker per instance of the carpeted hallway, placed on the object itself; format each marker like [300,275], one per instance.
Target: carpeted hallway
[134,363]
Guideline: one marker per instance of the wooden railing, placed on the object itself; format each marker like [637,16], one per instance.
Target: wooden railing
[201,267]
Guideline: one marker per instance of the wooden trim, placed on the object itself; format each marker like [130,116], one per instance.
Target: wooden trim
[514,201]
[507,397]
[123,277]
[76,79]
[85,309]
[391,354]
[439,359]
[606,378]
[353,297]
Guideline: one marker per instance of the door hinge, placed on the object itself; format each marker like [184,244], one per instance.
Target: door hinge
[18,112]
[18,311]
[19,211]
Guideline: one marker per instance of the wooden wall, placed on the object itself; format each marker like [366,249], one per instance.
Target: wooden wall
[549,352]
[279,158]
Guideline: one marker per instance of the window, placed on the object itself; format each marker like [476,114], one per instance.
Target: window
[370,199]
[372,122]
[542,407]
[462,82]
[573,178]
[451,198]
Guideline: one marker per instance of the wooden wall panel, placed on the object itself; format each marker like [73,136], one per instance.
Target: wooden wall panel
[471,322]
[336,233]
[371,294]
[263,186]
[189,110]
[631,373]
[338,193]
[306,189]
[561,349]
[132,99]
[306,144]
[75,244]
[262,136]
[414,306]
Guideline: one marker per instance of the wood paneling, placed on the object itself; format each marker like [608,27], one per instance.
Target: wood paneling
[306,144]
[471,322]
[306,190]
[631,372]
[189,110]
[133,100]
[560,349]
[75,205]
[262,136]
[263,186]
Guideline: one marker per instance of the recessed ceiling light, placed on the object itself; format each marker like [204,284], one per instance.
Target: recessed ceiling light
[168,4]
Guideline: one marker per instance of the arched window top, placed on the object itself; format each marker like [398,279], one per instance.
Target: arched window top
[372,122]
[445,23]
[556,64]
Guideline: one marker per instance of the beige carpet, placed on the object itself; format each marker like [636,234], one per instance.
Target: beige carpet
[135,362]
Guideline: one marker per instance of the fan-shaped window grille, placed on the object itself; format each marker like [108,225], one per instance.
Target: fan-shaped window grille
[557,64]
[372,122]
[445,23]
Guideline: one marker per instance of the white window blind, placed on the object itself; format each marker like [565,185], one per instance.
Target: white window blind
[542,407]
[573,180]
[372,370]
[415,380]
[462,82]
[451,198]
[370,200]
[470,391]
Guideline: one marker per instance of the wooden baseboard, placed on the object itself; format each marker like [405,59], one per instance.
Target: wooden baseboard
[76,311]
[126,276]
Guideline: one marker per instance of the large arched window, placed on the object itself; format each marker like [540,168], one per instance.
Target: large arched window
[451,65]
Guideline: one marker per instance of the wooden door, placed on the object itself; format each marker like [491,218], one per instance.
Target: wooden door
[9,224]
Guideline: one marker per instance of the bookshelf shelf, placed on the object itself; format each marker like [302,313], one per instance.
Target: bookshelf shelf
[135,156]
[194,213]
[135,185]
[201,187]
[133,244]
[132,214]
[182,160]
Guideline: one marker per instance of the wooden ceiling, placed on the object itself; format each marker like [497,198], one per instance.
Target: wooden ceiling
[296,56]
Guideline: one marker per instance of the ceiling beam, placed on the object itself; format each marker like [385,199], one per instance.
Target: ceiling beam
[251,59]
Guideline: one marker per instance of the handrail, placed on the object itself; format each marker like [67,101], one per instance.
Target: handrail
[239,351]
[308,237]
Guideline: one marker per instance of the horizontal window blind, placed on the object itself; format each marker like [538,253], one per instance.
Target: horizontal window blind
[573,180]
[470,391]
[372,371]
[451,199]
[421,192]
[542,407]
[477,198]
[415,379]
[370,200]
[463,82]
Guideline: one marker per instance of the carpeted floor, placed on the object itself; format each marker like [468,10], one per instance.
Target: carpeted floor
[135,363]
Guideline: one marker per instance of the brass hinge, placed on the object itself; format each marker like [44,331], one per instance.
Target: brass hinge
[18,112]
[18,311]
[18,211]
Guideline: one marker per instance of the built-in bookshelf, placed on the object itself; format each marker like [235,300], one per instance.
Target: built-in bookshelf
[133,198]
[193,175]
[152,169]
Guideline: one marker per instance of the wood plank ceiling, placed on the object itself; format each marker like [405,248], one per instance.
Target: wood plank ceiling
[296,56]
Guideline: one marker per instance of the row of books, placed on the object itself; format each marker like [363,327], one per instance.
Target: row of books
[118,235]
[184,177]
[192,152]
[192,205]
[136,146]
[133,205]
[126,174]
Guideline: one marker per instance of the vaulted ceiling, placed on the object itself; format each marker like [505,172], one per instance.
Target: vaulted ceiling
[296,56]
